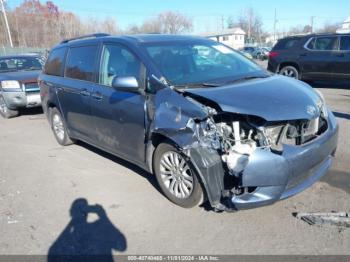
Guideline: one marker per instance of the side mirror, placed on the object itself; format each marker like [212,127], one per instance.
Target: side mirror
[125,83]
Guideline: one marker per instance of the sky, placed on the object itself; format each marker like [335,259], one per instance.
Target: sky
[207,15]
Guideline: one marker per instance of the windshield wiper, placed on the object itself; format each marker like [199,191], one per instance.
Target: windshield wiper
[198,85]
[246,78]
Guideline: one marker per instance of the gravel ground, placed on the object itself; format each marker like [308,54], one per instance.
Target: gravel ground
[39,181]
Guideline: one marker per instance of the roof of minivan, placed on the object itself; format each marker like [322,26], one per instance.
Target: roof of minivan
[139,38]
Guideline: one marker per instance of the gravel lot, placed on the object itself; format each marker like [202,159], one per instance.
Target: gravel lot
[39,181]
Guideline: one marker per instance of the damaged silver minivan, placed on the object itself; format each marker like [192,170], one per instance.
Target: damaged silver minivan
[209,123]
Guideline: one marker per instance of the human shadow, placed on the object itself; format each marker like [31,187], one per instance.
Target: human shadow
[82,240]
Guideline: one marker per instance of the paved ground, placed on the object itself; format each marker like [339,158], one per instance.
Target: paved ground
[39,181]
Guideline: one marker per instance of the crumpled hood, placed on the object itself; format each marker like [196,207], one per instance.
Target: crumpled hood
[20,75]
[275,98]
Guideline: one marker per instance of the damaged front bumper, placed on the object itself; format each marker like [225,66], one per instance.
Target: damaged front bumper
[269,176]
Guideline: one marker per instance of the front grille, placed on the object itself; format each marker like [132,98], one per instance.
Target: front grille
[31,88]
[295,132]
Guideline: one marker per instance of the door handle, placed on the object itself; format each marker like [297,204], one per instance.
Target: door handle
[303,54]
[97,96]
[84,92]
[340,55]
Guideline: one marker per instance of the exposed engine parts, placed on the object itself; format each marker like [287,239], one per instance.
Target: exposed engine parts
[234,143]
[236,138]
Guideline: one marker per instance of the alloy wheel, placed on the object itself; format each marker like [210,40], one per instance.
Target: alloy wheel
[58,127]
[176,174]
[290,72]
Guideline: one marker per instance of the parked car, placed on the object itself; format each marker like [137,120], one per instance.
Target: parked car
[246,54]
[224,130]
[19,87]
[256,52]
[312,57]
[263,53]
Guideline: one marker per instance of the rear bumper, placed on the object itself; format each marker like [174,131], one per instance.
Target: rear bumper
[278,177]
[16,100]
[272,66]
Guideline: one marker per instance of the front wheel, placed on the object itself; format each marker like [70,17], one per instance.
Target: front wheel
[5,112]
[59,128]
[289,71]
[176,177]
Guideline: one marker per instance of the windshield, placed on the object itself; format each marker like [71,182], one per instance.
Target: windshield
[20,63]
[209,62]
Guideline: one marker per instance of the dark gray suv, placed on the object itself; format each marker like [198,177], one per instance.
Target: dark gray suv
[312,57]
[207,122]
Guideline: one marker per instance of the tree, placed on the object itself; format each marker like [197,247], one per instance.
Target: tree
[329,27]
[167,22]
[250,21]
[36,24]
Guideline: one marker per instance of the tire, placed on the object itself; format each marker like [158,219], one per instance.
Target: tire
[182,188]
[5,112]
[59,128]
[289,71]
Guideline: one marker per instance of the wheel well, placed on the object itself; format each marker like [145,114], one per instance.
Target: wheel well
[156,140]
[51,105]
[289,64]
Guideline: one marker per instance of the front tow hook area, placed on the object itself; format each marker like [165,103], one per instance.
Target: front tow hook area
[262,196]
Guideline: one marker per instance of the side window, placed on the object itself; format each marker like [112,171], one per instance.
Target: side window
[54,63]
[311,44]
[345,43]
[325,43]
[117,61]
[288,43]
[81,63]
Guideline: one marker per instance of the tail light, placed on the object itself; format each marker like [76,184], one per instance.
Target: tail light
[273,54]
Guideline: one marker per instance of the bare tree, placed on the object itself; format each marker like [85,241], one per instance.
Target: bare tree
[34,24]
[250,21]
[329,27]
[167,22]
[174,22]
[299,29]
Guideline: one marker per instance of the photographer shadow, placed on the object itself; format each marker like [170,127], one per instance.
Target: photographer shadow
[82,240]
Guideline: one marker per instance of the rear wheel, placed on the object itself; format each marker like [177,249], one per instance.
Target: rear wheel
[289,71]
[5,112]
[176,177]
[59,128]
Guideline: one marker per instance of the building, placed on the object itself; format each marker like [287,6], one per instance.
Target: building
[233,37]
[345,27]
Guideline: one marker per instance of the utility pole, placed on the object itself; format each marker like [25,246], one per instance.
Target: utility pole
[312,24]
[6,22]
[274,26]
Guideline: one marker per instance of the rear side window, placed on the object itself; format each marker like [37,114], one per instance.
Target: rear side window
[345,43]
[81,63]
[54,63]
[325,43]
[286,44]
